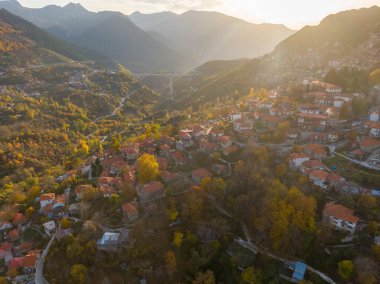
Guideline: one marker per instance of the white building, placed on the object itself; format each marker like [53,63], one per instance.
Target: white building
[49,227]
[296,160]
[340,217]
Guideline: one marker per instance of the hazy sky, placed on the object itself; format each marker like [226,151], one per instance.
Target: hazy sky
[293,13]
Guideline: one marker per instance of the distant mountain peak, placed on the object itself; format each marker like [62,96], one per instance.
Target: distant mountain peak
[76,7]
[11,3]
[139,13]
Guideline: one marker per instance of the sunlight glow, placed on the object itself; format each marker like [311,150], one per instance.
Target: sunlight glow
[293,13]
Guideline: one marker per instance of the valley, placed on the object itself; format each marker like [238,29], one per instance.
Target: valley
[170,148]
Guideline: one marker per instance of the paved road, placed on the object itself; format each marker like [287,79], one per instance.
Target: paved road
[360,163]
[39,277]
[121,104]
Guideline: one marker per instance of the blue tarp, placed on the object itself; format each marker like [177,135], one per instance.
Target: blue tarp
[299,271]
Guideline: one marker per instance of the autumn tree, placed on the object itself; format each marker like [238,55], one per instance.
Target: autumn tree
[297,149]
[376,251]
[74,249]
[215,184]
[207,277]
[116,143]
[367,270]
[78,273]
[66,223]
[251,276]
[177,239]
[360,106]
[97,168]
[172,214]
[345,269]
[367,206]
[84,147]
[281,131]
[147,168]
[285,216]
[281,170]
[33,192]
[374,76]
[170,262]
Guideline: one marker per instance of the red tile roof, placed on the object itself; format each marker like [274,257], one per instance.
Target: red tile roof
[165,147]
[168,176]
[341,212]
[230,150]
[30,260]
[313,116]
[152,187]
[207,145]
[130,151]
[19,218]
[6,246]
[129,208]
[319,175]
[313,164]
[225,139]
[201,173]
[334,178]
[369,142]
[106,190]
[15,263]
[184,134]
[178,156]
[25,246]
[47,196]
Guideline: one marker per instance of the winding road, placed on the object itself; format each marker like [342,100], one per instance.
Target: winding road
[360,163]
[256,248]
[39,277]
[113,113]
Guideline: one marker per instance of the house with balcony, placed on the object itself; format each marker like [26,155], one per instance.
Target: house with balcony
[340,217]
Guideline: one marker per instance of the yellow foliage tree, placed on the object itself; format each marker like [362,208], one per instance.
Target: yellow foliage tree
[147,168]
[84,146]
[172,214]
[65,223]
[33,192]
[78,273]
[177,239]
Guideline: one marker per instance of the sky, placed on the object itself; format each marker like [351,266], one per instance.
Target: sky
[292,13]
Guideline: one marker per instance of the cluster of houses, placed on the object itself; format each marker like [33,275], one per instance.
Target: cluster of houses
[18,257]
[317,124]
[119,170]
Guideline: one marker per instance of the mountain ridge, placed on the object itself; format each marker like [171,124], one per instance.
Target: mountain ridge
[211,36]
[40,39]
[73,22]
[191,38]
[307,61]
